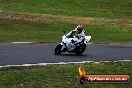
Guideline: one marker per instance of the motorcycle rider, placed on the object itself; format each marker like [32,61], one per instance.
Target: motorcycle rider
[73,42]
[79,34]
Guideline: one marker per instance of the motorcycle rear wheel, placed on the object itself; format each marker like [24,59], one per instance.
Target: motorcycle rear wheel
[81,49]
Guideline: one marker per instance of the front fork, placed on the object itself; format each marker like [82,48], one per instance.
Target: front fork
[63,47]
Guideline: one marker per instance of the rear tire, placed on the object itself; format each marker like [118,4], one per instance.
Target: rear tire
[81,49]
[58,50]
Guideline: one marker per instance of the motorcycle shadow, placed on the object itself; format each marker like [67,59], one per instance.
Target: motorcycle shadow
[74,55]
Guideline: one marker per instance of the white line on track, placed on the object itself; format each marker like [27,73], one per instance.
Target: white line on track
[24,65]
[32,42]
[21,42]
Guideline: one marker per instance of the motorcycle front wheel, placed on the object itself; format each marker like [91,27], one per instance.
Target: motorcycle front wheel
[58,50]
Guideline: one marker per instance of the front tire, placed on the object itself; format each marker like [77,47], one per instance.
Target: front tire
[58,50]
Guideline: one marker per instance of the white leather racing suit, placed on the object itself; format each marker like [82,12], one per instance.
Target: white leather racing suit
[78,37]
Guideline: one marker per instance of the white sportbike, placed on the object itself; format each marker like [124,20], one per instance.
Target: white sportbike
[67,45]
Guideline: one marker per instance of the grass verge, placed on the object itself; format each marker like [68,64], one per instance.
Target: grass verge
[61,76]
[48,28]
[96,8]
[107,21]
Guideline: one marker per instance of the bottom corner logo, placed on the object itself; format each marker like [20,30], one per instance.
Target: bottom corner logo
[83,78]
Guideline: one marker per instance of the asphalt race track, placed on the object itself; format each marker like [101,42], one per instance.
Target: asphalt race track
[17,54]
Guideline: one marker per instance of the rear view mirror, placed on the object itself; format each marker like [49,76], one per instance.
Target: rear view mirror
[64,32]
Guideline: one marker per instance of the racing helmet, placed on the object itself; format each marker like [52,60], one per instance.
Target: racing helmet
[79,28]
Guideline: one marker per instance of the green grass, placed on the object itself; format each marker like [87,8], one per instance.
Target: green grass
[19,30]
[61,76]
[96,8]
[107,21]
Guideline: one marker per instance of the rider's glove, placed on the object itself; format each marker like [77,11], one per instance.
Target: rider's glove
[73,31]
